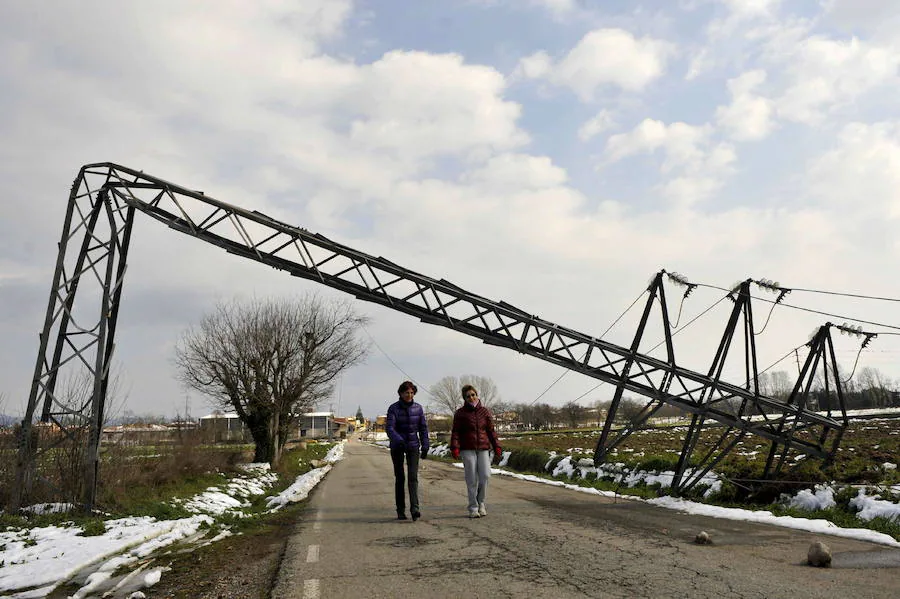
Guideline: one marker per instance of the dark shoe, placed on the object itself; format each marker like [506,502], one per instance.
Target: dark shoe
[416,516]
[401,516]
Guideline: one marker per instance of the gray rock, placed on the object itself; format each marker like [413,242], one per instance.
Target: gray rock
[819,555]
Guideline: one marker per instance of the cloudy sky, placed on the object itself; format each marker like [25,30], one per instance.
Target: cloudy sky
[553,154]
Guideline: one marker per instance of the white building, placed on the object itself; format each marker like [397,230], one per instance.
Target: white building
[317,425]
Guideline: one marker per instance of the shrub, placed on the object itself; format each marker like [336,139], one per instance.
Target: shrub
[658,463]
[727,493]
[806,471]
[528,460]
[857,470]
[843,495]
[93,527]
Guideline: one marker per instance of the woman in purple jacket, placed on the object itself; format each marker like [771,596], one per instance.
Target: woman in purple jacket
[408,434]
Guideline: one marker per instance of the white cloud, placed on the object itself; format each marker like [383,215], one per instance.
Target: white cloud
[749,116]
[751,7]
[826,74]
[694,164]
[603,57]
[739,13]
[701,61]
[860,176]
[875,16]
[739,33]
[600,122]
[535,65]
[808,74]
[557,7]
[518,171]
[682,143]
[426,104]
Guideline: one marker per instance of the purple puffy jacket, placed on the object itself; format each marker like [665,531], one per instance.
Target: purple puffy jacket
[406,426]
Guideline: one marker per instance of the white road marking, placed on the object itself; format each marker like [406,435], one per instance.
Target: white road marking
[317,525]
[312,554]
[311,588]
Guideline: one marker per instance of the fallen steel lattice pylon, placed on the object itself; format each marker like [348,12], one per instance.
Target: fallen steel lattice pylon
[78,335]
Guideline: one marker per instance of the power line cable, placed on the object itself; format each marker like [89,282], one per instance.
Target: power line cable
[856,295]
[820,312]
[781,359]
[855,364]
[768,318]
[691,321]
[674,325]
[397,366]
[567,371]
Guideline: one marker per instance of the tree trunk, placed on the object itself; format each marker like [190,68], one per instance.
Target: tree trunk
[277,443]
[260,430]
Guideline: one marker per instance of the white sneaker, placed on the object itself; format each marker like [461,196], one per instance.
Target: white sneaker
[482,511]
[474,514]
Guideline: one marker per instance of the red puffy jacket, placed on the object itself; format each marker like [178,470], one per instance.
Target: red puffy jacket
[473,428]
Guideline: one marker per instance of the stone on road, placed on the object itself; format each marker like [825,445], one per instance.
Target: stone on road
[540,541]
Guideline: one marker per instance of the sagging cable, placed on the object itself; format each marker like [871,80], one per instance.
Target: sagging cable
[773,287]
[681,280]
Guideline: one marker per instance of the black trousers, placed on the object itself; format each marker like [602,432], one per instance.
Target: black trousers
[411,456]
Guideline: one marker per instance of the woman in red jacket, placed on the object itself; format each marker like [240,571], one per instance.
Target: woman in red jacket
[474,439]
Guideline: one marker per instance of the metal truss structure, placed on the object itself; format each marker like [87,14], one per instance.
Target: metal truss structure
[77,340]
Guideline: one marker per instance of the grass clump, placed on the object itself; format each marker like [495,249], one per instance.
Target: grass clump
[528,460]
[657,463]
[93,527]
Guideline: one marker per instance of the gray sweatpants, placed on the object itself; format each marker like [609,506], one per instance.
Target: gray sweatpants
[477,466]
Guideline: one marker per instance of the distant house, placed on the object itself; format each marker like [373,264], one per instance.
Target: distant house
[318,425]
[507,421]
[345,425]
[221,427]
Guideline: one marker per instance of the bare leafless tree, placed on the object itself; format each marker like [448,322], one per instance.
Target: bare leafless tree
[535,416]
[631,409]
[780,385]
[270,361]
[875,385]
[572,413]
[446,394]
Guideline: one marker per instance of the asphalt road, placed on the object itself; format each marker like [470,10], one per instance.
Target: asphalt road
[540,541]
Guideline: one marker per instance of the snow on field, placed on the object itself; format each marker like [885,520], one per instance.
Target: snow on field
[35,561]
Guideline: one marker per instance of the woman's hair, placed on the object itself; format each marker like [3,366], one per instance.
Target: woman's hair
[407,385]
[466,389]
